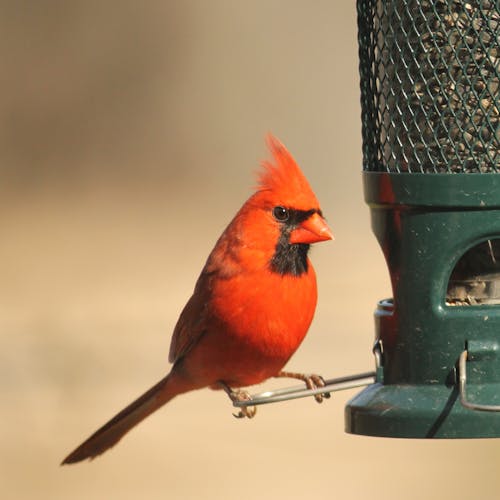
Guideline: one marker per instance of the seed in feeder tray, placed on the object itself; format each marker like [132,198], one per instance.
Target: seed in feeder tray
[476,277]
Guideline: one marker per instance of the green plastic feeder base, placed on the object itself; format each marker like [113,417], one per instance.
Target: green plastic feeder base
[425,225]
[425,411]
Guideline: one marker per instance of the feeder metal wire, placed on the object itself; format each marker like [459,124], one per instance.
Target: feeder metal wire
[430,85]
[296,392]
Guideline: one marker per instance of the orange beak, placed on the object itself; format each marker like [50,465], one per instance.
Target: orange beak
[312,230]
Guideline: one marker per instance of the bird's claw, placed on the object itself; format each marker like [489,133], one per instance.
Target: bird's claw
[245,411]
[312,381]
[240,395]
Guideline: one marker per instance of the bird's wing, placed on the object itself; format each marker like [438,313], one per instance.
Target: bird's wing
[223,264]
[193,320]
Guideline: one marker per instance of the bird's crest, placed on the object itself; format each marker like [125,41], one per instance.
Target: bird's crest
[283,180]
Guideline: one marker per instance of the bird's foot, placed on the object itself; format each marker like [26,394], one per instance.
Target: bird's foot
[312,381]
[240,395]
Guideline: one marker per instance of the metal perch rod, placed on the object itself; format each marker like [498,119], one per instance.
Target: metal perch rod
[288,393]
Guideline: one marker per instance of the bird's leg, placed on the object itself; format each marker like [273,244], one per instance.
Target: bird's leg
[239,395]
[312,382]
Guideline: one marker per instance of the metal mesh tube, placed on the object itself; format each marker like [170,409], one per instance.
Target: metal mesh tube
[430,85]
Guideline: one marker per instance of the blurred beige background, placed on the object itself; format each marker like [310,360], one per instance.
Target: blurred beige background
[130,133]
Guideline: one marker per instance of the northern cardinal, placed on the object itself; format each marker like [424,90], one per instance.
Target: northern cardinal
[252,304]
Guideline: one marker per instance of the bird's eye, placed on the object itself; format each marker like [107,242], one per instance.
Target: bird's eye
[281,214]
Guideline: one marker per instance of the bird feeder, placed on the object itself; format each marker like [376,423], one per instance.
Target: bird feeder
[431,160]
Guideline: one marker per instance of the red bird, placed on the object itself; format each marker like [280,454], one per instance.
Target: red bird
[252,304]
